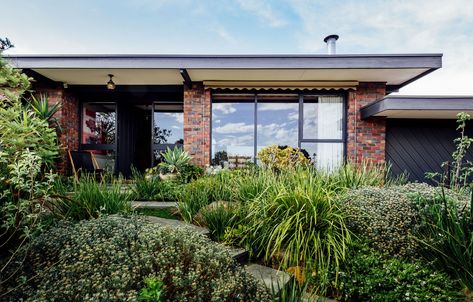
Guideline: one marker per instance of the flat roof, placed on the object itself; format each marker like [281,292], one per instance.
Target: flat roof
[418,107]
[396,70]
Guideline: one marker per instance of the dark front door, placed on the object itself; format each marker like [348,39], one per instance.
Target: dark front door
[134,137]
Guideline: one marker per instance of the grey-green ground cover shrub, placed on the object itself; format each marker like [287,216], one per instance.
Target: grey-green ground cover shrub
[109,259]
[369,275]
[389,216]
[385,216]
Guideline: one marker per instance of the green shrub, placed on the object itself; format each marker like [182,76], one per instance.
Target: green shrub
[282,158]
[446,237]
[92,198]
[388,216]
[190,172]
[108,259]
[219,216]
[384,216]
[153,188]
[368,275]
[28,149]
[153,292]
[203,192]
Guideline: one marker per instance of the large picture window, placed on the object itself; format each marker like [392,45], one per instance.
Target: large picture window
[277,120]
[244,124]
[233,129]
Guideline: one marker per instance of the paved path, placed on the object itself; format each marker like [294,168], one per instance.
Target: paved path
[176,223]
[153,204]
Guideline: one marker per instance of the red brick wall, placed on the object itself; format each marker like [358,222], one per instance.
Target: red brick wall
[366,138]
[197,115]
[69,120]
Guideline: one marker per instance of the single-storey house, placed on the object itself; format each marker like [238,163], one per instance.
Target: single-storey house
[127,108]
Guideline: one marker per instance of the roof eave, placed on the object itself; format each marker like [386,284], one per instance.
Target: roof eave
[365,61]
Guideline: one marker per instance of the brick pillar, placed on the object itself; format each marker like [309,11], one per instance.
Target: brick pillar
[68,118]
[197,115]
[366,138]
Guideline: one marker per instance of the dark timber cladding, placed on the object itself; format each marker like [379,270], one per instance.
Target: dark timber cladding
[420,146]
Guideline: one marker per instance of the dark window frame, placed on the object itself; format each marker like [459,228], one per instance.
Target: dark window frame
[301,94]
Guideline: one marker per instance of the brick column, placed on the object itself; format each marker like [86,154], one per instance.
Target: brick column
[69,119]
[197,115]
[366,138]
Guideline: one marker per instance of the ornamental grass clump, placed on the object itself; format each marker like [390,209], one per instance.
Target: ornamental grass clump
[91,199]
[297,223]
[153,188]
[113,259]
[446,236]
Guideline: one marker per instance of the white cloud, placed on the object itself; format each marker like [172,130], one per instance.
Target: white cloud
[224,34]
[415,26]
[234,128]
[225,108]
[264,10]
[293,116]
[179,117]
[230,140]
[279,134]
[277,106]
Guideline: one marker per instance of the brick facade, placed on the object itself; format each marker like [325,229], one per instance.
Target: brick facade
[197,117]
[69,119]
[366,138]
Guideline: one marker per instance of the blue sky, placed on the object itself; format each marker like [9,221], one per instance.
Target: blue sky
[252,26]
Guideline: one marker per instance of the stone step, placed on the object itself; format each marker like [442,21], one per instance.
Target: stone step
[153,204]
[240,255]
[274,280]
[177,223]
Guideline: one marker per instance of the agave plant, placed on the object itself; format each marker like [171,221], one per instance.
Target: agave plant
[43,110]
[174,160]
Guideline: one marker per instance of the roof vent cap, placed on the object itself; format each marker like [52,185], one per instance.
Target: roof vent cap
[331,41]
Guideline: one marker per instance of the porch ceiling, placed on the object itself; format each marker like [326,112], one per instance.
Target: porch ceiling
[395,70]
[173,77]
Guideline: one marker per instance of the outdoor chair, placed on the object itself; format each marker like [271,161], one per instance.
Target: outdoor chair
[84,162]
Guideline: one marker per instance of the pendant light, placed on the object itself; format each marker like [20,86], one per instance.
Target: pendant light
[110,83]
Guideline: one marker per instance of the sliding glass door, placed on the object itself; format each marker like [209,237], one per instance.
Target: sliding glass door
[99,132]
[167,128]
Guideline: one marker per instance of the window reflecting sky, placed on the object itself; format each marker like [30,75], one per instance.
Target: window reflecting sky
[277,124]
[171,121]
[233,128]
